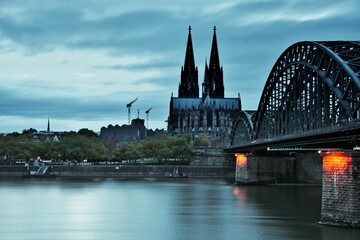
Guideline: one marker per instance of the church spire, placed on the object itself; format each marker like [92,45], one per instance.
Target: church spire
[189,63]
[215,71]
[205,85]
[48,126]
[189,86]
[214,55]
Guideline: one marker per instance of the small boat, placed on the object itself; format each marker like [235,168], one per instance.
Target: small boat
[175,174]
[42,172]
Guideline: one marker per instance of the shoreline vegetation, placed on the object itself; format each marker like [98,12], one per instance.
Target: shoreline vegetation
[84,154]
[85,146]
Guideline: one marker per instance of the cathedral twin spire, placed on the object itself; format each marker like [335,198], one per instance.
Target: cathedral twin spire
[215,72]
[213,77]
[189,87]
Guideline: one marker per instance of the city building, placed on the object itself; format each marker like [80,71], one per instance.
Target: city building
[114,135]
[211,113]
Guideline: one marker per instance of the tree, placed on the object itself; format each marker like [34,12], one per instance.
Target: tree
[80,147]
[29,131]
[129,151]
[201,141]
[180,147]
[87,133]
[161,148]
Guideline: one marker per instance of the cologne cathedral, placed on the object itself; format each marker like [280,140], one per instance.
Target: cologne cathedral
[211,113]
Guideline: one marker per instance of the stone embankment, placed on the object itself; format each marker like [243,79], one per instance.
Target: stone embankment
[126,171]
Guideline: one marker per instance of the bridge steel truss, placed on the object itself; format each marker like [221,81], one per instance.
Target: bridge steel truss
[313,85]
[243,130]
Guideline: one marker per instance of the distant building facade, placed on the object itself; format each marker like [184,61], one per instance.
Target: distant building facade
[115,135]
[211,113]
[125,133]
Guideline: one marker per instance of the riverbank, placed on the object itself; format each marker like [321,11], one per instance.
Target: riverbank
[114,171]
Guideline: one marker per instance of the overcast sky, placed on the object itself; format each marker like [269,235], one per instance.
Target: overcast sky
[80,62]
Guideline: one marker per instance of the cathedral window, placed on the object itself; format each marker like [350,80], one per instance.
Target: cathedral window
[209,119]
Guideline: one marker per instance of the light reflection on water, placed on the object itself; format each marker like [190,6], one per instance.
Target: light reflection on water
[160,209]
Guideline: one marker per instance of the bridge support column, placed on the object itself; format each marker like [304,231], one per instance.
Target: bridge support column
[242,174]
[340,204]
[264,169]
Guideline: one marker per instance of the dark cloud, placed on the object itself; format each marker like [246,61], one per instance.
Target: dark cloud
[33,104]
[44,30]
[41,31]
[57,107]
[251,36]
[138,66]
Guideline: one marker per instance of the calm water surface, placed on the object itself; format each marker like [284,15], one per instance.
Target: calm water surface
[160,209]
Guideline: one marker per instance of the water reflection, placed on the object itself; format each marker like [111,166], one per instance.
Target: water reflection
[160,209]
[240,194]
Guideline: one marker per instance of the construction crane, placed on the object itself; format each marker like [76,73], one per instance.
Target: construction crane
[147,117]
[129,109]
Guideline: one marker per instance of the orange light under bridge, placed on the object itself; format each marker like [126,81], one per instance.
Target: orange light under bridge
[336,162]
[241,159]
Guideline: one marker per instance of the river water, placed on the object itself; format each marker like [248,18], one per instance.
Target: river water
[160,209]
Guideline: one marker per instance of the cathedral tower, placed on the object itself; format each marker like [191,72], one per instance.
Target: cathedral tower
[214,73]
[211,114]
[189,87]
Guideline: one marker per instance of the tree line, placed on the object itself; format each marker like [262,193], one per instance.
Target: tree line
[161,149]
[86,144]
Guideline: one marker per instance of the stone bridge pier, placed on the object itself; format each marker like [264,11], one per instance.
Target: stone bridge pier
[340,204]
[337,172]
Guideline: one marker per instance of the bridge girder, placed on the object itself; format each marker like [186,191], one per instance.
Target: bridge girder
[313,85]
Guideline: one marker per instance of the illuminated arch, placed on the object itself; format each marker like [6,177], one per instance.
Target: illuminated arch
[311,86]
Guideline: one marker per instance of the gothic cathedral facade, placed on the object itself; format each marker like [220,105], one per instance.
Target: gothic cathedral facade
[212,113]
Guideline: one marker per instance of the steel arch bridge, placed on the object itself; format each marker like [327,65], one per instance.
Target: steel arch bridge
[243,131]
[313,87]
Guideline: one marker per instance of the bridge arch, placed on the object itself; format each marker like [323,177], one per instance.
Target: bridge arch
[312,85]
[243,130]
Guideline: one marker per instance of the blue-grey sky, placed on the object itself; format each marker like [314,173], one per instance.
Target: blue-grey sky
[80,62]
